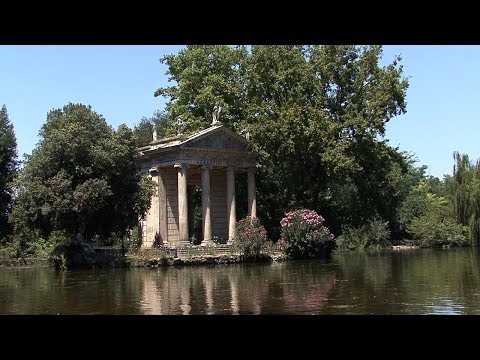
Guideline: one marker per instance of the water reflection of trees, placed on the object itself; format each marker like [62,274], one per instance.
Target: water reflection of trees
[410,282]
[363,283]
[442,281]
[43,291]
[16,287]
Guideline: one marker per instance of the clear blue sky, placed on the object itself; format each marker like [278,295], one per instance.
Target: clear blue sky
[443,112]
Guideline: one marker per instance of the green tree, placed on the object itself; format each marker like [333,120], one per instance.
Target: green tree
[143,131]
[316,117]
[435,226]
[414,187]
[8,170]
[465,185]
[80,179]
[205,76]
[427,214]
[415,205]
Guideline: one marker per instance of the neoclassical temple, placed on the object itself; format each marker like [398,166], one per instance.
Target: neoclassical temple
[208,160]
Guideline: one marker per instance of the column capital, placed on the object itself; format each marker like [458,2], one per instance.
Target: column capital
[181,166]
[152,171]
[206,167]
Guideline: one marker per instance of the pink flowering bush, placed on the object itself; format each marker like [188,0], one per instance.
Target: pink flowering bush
[251,237]
[305,235]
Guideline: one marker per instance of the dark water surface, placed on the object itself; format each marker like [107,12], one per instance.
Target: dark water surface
[407,282]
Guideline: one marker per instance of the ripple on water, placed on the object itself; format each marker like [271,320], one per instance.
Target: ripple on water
[445,306]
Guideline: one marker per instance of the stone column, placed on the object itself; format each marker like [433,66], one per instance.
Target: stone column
[191,229]
[162,206]
[152,215]
[182,205]
[206,208]
[252,198]
[232,216]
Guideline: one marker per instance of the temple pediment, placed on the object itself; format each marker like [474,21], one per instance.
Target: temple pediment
[215,146]
[216,138]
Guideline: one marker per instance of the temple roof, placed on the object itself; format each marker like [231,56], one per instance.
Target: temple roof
[217,143]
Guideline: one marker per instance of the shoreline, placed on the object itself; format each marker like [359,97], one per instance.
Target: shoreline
[201,260]
[156,259]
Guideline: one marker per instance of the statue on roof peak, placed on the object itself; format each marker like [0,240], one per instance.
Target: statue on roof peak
[216,115]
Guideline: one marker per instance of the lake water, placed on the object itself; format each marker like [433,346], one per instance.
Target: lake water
[407,282]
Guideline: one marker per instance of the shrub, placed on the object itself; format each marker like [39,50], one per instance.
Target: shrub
[251,237]
[132,239]
[31,250]
[305,235]
[432,231]
[8,255]
[374,234]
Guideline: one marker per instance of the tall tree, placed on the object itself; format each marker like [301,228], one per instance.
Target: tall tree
[316,117]
[81,178]
[8,170]
[205,76]
[466,188]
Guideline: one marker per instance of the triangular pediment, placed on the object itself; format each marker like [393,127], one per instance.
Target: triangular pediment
[218,138]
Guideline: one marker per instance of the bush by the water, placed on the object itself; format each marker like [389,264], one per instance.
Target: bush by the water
[431,231]
[19,252]
[251,237]
[305,235]
[373,235]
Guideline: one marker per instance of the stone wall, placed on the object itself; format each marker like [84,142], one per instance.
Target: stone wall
[163,203]
[219,203]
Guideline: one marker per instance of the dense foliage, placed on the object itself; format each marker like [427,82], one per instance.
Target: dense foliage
[250,237]
[8,170]
[465,185]
[315,116]
[428,217]
[305,236]
[81,179]
[374,234]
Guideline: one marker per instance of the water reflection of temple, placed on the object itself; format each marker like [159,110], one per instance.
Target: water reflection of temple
[233,289]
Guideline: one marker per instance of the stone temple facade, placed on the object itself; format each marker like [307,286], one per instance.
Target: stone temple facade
[208,159]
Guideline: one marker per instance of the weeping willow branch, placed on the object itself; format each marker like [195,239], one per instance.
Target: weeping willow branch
[467,194]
